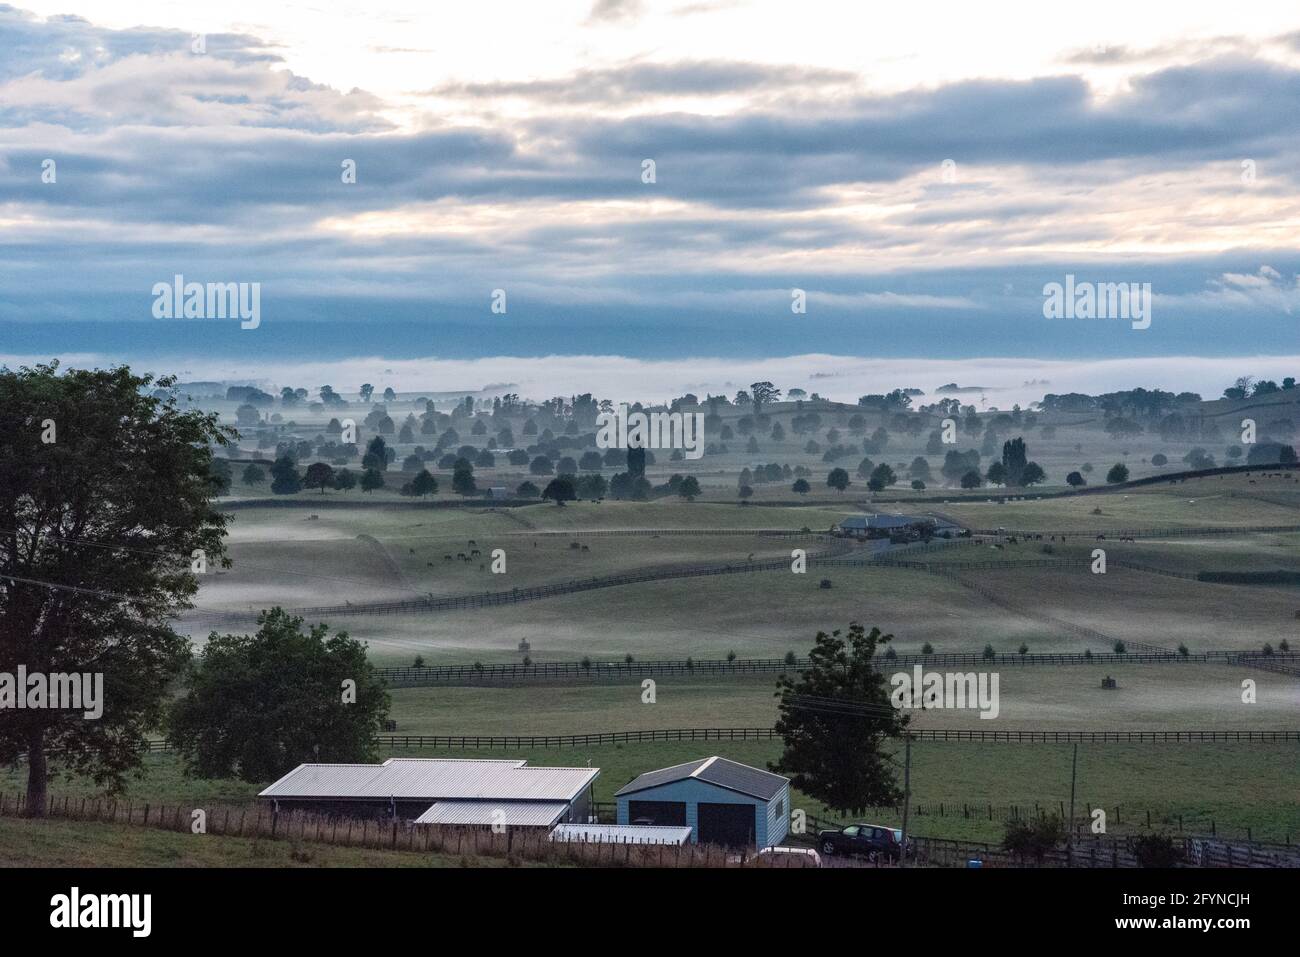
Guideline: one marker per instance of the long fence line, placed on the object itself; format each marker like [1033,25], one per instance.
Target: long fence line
[298,828]
[673,532]
[1122,819]
[509,742]
[1183,531]
[536,592]
[1091,850]
[435,675]
[1167,478]
[830,558]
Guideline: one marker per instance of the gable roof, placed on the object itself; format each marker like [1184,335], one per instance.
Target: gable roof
[433,778]
[721,772]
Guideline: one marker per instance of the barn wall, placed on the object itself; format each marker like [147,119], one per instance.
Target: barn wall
[778,818]
[694,792]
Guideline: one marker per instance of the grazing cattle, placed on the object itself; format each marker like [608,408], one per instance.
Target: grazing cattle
[1101,538]
[446,558]
[461,556]
[475,552]
[585,548]
[471,542]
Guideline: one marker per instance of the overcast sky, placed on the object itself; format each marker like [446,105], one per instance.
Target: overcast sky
[501,145]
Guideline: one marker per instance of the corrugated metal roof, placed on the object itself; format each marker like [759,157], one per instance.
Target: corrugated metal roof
[720,771]
[742,778]
[509,813]
[663,776]
[435,779]
[621,834]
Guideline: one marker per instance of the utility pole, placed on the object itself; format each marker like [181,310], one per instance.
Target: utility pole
[907,794]
[1074,774]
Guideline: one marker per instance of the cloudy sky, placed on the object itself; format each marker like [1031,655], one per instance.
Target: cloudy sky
[921,171]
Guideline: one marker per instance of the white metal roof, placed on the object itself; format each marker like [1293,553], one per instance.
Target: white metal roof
[433,778]
[508,813]
[621,834]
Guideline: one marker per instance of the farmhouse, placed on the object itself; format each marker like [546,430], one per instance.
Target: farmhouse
[884,526]
[440,791]
[721,801]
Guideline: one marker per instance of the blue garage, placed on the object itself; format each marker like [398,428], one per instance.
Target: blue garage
[722,802]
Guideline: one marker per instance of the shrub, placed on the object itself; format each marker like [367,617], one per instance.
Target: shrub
[1156,850]
[1034,838]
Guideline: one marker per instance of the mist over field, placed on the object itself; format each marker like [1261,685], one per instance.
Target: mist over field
[1004,382]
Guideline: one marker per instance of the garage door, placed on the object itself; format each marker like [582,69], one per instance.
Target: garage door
[729,824]
[661,813]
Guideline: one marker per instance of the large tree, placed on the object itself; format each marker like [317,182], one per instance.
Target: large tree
[560,490]
[1014,458]
[834,719]
[259,705]
[106,513]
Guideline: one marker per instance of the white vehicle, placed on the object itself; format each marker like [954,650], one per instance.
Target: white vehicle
[788,857]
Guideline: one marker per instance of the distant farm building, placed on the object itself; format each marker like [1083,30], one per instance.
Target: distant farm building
[440,791]
[909,527]
[720,801]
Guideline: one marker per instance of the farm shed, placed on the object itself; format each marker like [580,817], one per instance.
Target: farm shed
[721,801]
[620,834]
[439,791]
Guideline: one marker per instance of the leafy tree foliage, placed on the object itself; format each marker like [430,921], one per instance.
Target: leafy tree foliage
[100,525]
[834,719]
[258,705]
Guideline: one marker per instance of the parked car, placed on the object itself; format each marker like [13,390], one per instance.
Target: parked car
[786,857]
[873,841]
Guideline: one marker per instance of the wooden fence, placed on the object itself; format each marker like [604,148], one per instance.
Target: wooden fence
[576,671]
[260,822]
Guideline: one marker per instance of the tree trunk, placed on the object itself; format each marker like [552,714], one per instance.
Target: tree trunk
[37,775]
